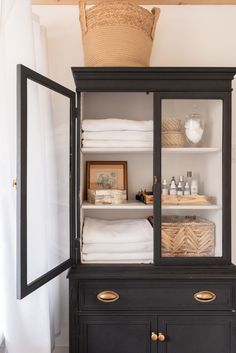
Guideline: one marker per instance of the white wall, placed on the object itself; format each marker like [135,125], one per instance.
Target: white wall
[186,36]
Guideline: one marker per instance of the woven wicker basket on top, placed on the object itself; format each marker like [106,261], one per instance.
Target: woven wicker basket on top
[117,33]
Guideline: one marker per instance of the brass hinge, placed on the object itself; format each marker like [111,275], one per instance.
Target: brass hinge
[14,183]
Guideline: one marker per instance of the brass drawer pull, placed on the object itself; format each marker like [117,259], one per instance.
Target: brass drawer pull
[157,337]
[108,296]
[205,296]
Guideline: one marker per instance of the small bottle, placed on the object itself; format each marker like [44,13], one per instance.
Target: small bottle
[189,178]
[164,188]
[181,180]
[187,189]
[179,189]
[138,196]
[173,190]
[194,187]
[173,180]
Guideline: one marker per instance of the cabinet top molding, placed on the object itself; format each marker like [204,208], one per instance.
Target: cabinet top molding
[152,79]
[140,2]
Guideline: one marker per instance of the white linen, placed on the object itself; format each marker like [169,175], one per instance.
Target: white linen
[116,124]
[118,135]
[116,143]
[116,231]
[118,247]
[117,256]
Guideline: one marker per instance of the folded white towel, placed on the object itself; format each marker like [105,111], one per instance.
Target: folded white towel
[137,261]
[117,256]
[118,248]
[116,143]
[118,135]
[116,124]
[116,231]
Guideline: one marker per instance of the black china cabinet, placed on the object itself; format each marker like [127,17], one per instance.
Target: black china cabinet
[183,300]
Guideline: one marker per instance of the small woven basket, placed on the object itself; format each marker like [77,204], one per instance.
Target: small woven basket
[187,236]
[117,33]
[173,139]
[171,124]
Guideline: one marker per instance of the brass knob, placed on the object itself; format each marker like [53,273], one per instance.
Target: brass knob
[154,337]
[108,296]
[157,337]
[161,337]
[205,296]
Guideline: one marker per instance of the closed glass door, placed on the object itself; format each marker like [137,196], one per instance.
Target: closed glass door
[193,187]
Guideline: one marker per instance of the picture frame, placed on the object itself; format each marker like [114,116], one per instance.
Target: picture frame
[102,175]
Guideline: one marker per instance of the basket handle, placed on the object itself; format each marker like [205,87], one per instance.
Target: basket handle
[156,13]
[82,16]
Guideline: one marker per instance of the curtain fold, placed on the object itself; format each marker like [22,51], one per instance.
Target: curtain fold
[28,325]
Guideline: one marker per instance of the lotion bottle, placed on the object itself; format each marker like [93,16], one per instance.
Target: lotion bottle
[187,189]
[164,188]
[194,187]
[180,189]
[173,190]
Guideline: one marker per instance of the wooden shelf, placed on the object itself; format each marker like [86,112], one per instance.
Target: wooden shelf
[136,205]
[140,2]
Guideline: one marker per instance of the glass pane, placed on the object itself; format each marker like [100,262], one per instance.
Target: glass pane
[48,233]
[191,178]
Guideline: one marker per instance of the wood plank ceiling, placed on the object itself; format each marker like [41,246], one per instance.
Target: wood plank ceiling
[140,2]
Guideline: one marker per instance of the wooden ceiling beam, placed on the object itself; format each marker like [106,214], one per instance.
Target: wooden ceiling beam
[140,2]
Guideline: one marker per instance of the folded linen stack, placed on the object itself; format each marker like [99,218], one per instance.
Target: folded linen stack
[117,241]
[117,133]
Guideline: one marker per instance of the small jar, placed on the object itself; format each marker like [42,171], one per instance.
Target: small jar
[194,128]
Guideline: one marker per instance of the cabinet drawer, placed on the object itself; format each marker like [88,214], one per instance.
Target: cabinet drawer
[184,295]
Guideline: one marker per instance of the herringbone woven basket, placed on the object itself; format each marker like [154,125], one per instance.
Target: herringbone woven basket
[117,33]
[187,236]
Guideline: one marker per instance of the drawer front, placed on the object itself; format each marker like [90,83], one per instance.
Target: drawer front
[184,295]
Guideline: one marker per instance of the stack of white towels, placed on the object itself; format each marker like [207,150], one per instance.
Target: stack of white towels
[117,241]
[117,133]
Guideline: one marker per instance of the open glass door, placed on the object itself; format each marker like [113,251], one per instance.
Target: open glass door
[45,180]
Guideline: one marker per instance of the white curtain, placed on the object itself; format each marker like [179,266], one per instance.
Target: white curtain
[29,325]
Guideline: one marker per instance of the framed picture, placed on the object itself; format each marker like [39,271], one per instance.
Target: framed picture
[107,175]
